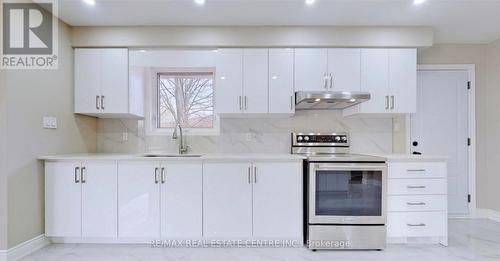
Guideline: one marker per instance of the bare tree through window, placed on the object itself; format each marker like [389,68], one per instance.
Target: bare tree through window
[186,98]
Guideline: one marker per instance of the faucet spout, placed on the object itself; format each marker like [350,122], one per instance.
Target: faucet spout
[183,148]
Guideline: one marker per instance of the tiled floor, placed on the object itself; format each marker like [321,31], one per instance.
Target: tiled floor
[469,240]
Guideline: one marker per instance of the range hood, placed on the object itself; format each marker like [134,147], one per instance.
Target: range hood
[334,100]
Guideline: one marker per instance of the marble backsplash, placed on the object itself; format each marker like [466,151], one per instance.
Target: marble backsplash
[267,135]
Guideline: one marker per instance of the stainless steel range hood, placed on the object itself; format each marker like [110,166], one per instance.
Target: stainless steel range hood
[328,100]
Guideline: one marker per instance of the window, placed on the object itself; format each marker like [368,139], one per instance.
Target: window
[187,98]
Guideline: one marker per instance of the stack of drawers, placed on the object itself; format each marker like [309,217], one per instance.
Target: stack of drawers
[417,200]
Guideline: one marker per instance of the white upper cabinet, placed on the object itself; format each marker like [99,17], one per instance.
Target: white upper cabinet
[311,66]
[255,80]
[102,84]
[389,75]
[229,81]
[281,90]
[344,69]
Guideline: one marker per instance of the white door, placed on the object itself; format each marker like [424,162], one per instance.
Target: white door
[227,200]
[402,80]
[278,216]
[344,69]
[255,80]
[440,127]
[87,80]
[311,66]
[63,199]
[138,199]
[281,91]
[181,200]
[114,80]
[229,81]
[99,199]
[375,79]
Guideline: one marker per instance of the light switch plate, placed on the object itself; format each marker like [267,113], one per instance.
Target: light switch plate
[49,122]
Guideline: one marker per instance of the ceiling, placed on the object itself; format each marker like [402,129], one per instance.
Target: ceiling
[454,21]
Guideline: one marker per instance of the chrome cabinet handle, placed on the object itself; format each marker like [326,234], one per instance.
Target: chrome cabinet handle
[416,225]
[392,102]
[255,174]
[241,108]
[326,80]
[387,102]
[415,203]
[102,102]
[77,180]
[331,81]
[246,101]
[156,175]
[162,175]
[291,102]
[416,170]
[416,187]
[249,175]
[83,172]
[97,102]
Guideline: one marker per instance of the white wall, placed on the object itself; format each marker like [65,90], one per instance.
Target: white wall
[31,94]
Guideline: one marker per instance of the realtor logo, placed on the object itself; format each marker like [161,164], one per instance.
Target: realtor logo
[29,34]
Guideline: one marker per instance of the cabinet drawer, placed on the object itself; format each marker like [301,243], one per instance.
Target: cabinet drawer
[416,187]
[416,224]
[417,170]
[417,203]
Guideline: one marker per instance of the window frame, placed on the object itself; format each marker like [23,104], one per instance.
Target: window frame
[152,108]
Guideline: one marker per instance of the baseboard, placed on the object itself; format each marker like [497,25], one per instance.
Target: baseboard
[488,214]
[24,249]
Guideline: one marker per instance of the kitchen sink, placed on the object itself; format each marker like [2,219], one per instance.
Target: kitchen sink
[171,156]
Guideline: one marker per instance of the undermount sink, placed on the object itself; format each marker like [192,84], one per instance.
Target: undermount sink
[171,155]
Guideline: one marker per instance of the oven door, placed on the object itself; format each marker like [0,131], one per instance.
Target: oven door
[347,193]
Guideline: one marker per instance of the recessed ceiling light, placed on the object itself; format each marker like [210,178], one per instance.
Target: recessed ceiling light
[310,2]
[417,2]
[200,2]
[89,2]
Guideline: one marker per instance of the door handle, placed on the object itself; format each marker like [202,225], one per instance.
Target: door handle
[392,102]
[415,203]
[416,225]
[326,80]
[416,187]
[249,175]
[162,175]
[83,171]
[417,153]
[246,101]
[156,175]
[255,174]
[416,170]
[387,102]
[291,102]
[97,102]
[102,102]
[77,180]
[239,98]
[331,81]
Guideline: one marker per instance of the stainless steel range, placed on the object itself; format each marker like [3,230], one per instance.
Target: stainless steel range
[345,194]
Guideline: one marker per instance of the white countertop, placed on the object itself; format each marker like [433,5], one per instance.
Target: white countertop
[203,157]
[409,157]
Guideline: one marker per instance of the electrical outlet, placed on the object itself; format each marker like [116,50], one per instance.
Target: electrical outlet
[125,136]
[49,122]
[249,136]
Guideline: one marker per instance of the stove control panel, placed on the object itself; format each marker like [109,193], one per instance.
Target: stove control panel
[320,139]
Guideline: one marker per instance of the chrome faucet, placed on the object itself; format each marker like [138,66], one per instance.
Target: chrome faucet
[183,149]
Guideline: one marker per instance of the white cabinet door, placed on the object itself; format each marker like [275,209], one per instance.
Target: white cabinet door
[227,200]
[181,196]
[403,80]
[375,79]
[138,200]
[281,91]
[344,69]
[114,80]
[255,80]
[277,200]
[99,199]
[87,80]
[310,69]
[229,81]
[62,199]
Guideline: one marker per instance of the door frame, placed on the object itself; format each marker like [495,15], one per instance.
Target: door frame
[471,70]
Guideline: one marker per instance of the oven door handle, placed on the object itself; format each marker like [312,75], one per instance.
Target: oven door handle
[337,167]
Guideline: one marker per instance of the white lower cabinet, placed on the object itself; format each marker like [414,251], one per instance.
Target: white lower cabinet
[417,201]
[138,199]
[252,200]
[80,199]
